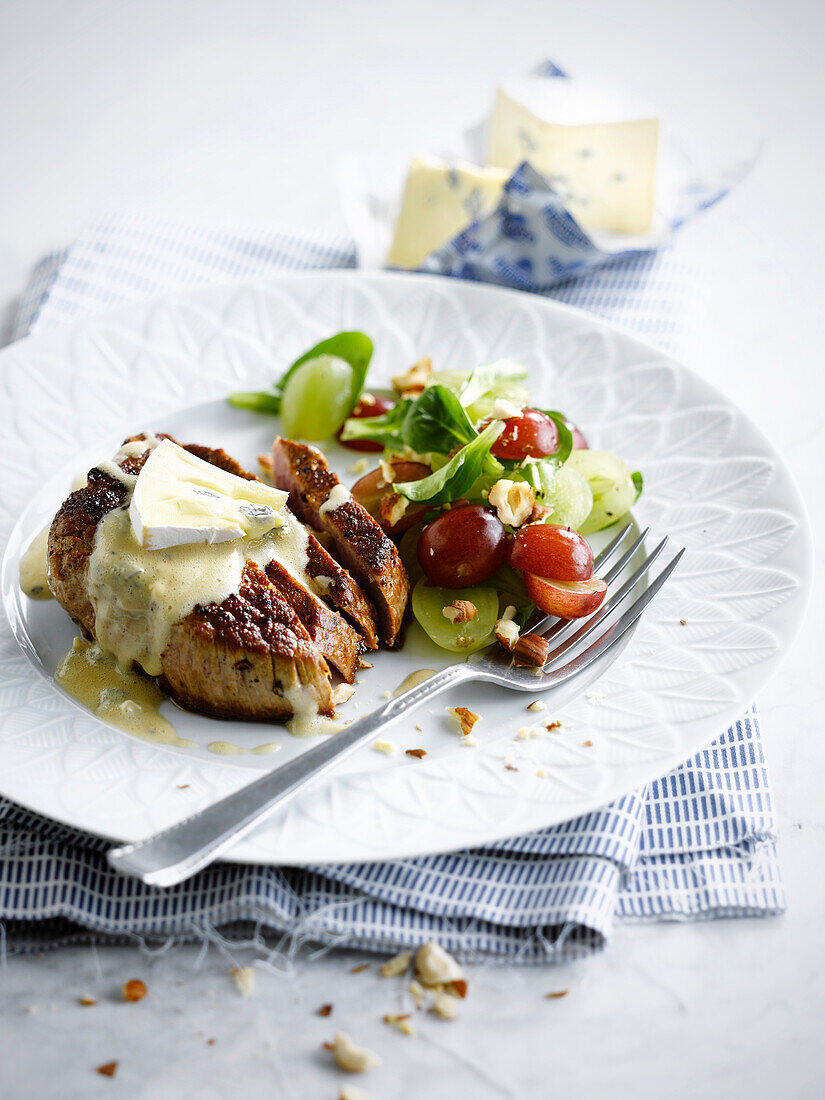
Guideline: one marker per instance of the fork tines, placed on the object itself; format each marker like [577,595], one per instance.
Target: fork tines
[569,634]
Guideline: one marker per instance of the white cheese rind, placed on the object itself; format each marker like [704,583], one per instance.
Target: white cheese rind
[179,499]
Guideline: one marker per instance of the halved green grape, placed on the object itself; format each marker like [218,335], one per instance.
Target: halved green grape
[571,498]
[428,603]
[317,398]
[610,482]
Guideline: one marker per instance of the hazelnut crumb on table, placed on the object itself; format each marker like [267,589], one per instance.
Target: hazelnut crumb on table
[134,990]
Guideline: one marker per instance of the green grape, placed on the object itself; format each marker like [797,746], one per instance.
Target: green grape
[571,499]
[428,603]
[317,398]
[611,484]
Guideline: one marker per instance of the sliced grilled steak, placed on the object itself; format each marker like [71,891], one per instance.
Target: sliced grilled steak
[247,657]
[333,637]
[241,658]
[359,543]
[335,583]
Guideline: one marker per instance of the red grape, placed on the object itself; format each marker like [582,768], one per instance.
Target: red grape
[566,599]
[462,547]
[557,553]
[371,488]
[367,406]
[530,433]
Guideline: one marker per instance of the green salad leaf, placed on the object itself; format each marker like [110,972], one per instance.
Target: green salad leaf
[437,422]
[487,379]
[354,348]
[384,429]
[457,476]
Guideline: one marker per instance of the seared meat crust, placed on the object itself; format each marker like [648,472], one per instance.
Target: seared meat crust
[358,541]
[241,658]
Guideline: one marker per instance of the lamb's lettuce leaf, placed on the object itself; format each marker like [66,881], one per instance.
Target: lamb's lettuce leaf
[456,477]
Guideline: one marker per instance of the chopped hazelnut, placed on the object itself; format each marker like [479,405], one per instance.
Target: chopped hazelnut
[417,992]
[401,1022]
[85,999]
[465,717]
[398,964]
[445,1006]
[350,1092]
[388,748]
[434,966]
[325,1010]
[351,1058]
[244,978]
[460,611]
[392,508]
[531,649]
[419,754]
[107,1069]
[135,990]
[512,500]
[507,633]
[537,704]
[360,968]
[559,993]
[415,379]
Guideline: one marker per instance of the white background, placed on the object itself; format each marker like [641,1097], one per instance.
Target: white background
[238,110]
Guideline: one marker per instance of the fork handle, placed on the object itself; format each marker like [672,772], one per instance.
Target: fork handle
[177,853]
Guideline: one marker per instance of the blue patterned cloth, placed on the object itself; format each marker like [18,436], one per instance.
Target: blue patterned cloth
[698,843]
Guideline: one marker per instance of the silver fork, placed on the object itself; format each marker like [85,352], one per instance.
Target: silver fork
[177,853]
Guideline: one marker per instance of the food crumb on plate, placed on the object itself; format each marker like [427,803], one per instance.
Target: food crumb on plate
[389,748]
[595,698]
[537,704]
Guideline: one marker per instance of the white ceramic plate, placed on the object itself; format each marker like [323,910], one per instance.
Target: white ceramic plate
[712,482]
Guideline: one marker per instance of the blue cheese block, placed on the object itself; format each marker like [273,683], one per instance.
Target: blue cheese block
[604,172]
[440,199]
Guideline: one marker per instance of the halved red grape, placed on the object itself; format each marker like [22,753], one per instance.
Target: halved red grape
[372,488]
[462,547]
[557,553]
[566,599]
[367,406]
[532,433]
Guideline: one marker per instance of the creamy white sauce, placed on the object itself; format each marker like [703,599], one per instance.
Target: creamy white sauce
[139,594]
[34,568]
[413,680]
[339,495]
[227,748]
[304,724]
[126,699]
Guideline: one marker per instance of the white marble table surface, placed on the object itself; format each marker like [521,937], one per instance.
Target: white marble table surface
[210,107]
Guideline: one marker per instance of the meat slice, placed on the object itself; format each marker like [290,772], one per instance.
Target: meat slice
[335,583]
[343,592]
[332,636]
[316,495]
[246,657]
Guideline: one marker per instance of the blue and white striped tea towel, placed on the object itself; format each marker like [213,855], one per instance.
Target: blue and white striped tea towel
[698,843]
